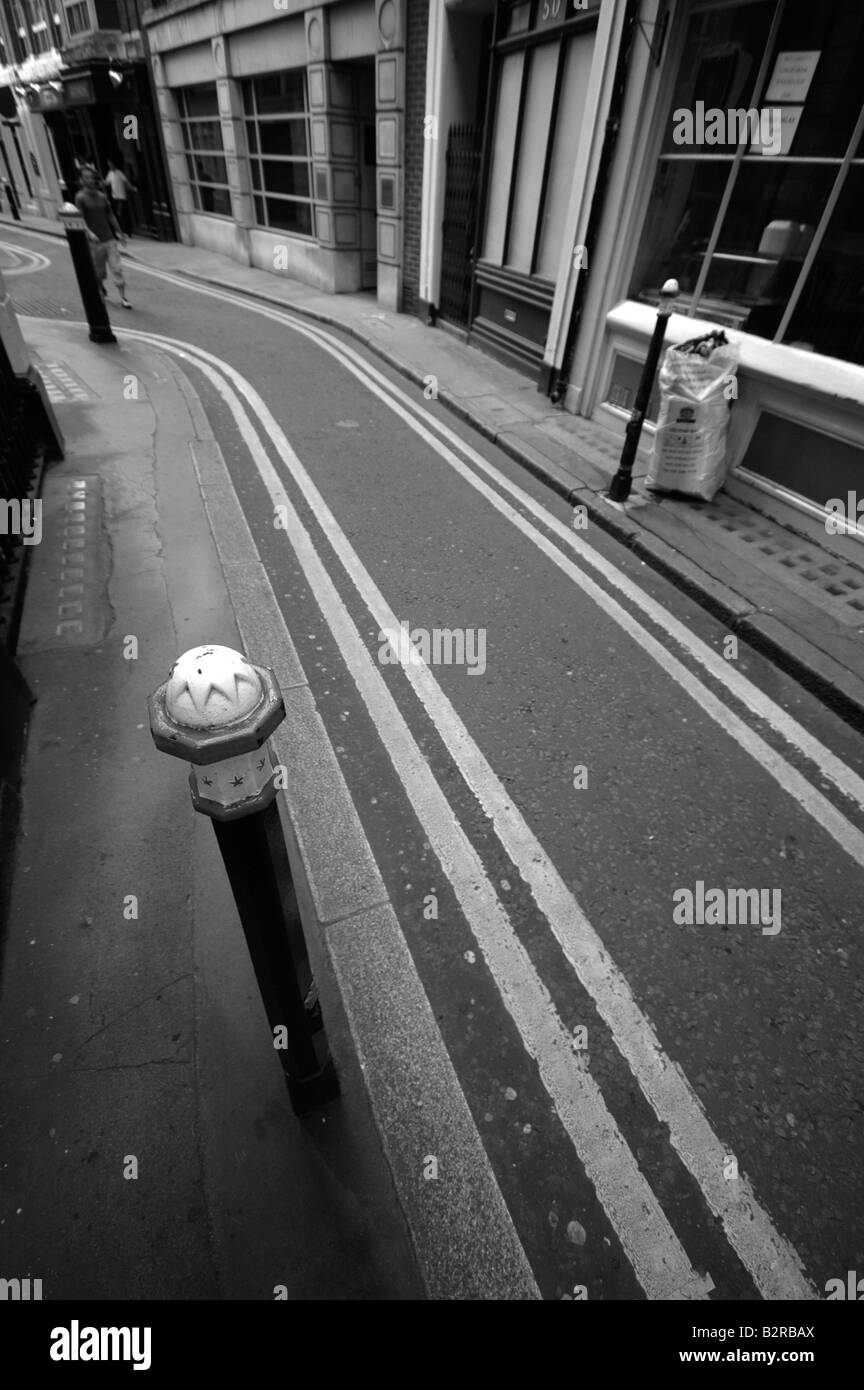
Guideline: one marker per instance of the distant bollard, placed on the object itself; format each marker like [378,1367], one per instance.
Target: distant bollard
[12,201]
[619,488]
[78,238]
[217,710]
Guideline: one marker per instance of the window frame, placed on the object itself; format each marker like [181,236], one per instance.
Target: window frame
[261,195]
[77,6]
[188,125]
[561,32]
[842,163]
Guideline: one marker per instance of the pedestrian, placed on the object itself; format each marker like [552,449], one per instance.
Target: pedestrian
[118,190]
[104,232]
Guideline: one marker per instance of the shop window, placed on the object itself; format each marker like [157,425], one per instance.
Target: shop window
[202,145]
[829,312]
[277,140]
[538,118]
[501,169]
[745,232]
[577,64]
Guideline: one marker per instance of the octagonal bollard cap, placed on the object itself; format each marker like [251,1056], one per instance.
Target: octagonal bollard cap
[234,787]
[214,705]
[70,216]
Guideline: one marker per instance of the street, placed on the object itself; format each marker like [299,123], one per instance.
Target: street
[561,798]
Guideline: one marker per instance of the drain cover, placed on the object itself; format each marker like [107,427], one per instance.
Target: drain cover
[66,601]
[818,576]
[62,384]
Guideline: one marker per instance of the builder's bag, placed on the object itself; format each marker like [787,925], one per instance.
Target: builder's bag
[697,384]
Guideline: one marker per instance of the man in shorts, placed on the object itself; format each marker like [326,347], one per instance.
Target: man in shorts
[104,232]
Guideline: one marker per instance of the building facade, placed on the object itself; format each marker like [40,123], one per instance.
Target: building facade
[31,35]
[598,170]
[284,127]
[86,99]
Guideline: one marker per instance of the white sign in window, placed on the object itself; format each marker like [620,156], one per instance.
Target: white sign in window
[789,119]
[792,75]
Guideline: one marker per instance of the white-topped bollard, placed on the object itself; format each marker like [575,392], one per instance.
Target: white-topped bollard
[217,710]
[619,487]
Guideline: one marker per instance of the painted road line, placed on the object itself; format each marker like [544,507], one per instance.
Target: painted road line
[651,1246]
[760,704]
[24,261]
[463,1235]
[406,407]
[772,1262]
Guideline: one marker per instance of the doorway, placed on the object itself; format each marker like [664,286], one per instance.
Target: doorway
[365,97]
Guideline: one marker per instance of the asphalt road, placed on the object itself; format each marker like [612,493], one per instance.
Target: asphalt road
[762,1019]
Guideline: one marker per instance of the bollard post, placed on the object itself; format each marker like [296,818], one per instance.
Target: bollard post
[85,272]
[619,488]
[217,710]
[13,201]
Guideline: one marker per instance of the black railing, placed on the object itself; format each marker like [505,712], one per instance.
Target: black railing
[464,152]
[27,441]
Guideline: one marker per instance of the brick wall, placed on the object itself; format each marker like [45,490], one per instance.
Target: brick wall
[415,110]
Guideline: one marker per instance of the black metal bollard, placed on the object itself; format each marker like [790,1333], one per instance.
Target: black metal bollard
[217,710]
[78,238]
[619,488]
[13,201]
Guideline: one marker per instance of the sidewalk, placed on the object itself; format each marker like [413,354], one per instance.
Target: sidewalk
[766,570]
[133,1032]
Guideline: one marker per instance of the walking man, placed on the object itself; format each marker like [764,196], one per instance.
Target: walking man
[118,191]
[104,231]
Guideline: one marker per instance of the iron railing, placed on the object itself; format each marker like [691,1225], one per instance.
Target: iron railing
[27,441]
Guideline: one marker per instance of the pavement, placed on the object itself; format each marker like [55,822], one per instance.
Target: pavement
[764,568]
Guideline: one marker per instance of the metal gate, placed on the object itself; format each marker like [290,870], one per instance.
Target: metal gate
[464,143]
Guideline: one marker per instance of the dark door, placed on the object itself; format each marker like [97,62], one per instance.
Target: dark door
[460,219]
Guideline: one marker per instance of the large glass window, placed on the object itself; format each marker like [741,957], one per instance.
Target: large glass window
[506,117]
[537,123]
[202,144]
[277,137]
[768,242]
[568,126]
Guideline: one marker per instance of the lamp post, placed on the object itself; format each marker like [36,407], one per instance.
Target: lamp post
[78,238]
[619,488]
[217,710]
